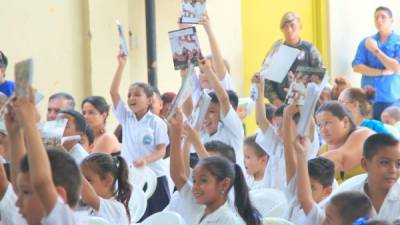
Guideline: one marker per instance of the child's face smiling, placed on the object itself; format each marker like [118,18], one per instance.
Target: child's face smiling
[137,100]
[212,117]
[206,189]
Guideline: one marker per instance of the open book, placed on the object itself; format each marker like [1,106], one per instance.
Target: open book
[200,110]
[23,77]
[192,11]
[307,112]
[184,92]
[278,62]
[185,47]
[122,41]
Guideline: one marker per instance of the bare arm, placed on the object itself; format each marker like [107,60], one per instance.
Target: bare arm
[114,89]
[389,63]
[261,117]
[216,85]
[156,155]
[217,59]
[3,181]
[304,193]
[40,170]
[187,106]
[177,169]
[89,195]
[369,71]
[194,138]
[288,139]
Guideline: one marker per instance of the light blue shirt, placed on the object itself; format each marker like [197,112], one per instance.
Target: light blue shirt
[387,86]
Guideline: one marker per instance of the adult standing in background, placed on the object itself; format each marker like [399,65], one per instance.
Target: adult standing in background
[377,59]
[308,56]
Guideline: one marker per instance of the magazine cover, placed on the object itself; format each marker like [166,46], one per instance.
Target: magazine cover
[304,76]
[184,92]
[192,11]
[52,131]
[23,77]
[200,110]
[185,46]
[122,41]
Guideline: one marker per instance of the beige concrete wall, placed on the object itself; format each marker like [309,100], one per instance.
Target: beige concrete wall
[74,43]
[350,22]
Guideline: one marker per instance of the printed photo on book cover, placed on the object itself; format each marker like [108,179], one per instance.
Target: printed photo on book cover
[185,47]
[192,11]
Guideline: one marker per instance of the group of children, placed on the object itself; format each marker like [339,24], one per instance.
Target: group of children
[213,169]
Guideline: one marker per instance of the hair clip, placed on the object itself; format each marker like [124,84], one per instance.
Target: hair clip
[361,221]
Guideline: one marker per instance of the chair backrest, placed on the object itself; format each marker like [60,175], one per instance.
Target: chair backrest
[95,220]
[275,221]
[266,200]
[142,176]
[137,204]
[164,218]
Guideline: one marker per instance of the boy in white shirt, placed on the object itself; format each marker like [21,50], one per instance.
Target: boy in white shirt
[255,161]
[381,161]
[76,125]
[48,182]
[342,209]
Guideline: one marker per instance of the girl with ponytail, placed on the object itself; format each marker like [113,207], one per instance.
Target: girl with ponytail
[105,188]
[213,177]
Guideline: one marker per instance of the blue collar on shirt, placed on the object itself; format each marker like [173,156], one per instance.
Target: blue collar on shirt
[392,40]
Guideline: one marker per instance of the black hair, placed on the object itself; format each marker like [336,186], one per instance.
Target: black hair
[351,205]
[270,110]
[66,96]
[64,171]
[90,134]
[99,103]
[386,9]
[223,149]
[251,141]
[79,120]
[221,168]
[322,170]
[339,111]
[103,164]
[279,113]
[378,222]
[376,142]
[148,90]
[233,98]
[3,60]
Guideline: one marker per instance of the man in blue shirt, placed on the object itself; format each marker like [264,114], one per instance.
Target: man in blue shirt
[377,59]
[6,87]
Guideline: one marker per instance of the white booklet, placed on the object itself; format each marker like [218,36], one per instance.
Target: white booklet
[23,77]
[200,110]
[122,41]
[278,62]
[246,105]
[192,11]
[52,131]
[184,92]
[307,112]
[185,46]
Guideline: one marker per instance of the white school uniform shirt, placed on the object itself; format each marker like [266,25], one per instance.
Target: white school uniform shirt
[193,212]
[111,210]
[226,83]
[254,184]
[390,209]
[275,172]
[294,213]
[140,138]
[62,214]
[316,216]
[78,153]
[9,212]
[230,131]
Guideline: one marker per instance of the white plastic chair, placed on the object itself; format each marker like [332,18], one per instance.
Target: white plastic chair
[137,204]
[164,218]
[268,201]
[141,176]
[95,220]
[350,183]
[275,221]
